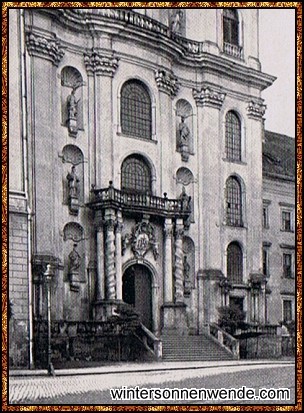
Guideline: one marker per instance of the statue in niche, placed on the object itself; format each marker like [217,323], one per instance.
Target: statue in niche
[187,281]
[72,104]
[73,183]
[185,200]
[72,109]
[184,136]
[74,267]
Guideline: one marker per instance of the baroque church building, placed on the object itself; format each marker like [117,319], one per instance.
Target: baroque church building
[144,193]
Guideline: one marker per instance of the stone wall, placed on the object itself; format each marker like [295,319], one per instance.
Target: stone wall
[18,291]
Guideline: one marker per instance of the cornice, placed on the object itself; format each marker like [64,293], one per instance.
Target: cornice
[128,25]
[45,47]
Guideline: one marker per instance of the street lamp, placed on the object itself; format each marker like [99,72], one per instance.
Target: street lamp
[48,274]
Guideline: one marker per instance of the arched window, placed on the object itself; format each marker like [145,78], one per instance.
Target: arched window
[233,202]
[235,263]
[135,175]
[231,26]
[136,118]
[233,137]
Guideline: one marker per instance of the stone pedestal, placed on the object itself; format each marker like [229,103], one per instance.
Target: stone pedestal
[175,318]
[72,127]
[105,309]
[73,205]
[74,281]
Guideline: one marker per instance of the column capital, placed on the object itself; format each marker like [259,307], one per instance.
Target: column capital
[256,109]
[209,97]
[99,63]
[167,82]
[110,224]
[49,48]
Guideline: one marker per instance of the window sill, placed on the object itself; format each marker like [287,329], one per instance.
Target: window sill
[137,138]
[234,161]
[290,231]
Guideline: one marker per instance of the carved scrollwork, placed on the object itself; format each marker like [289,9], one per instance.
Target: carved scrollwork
[167,82]
[208,97]
[38,45]
[100,64]
[256,110]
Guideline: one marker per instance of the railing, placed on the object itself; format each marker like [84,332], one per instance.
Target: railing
[63,328]
[233,50]
[127,200]
[224,339]
[150,341]
[270,330]
[138,20]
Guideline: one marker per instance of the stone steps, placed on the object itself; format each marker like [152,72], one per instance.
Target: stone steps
[192,348]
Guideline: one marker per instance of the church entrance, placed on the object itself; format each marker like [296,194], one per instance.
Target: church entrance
[136,291]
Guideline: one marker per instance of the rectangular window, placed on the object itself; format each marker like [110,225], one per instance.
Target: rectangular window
[287,265]
[265,217]
[286,221]
[265,262]
[287,310]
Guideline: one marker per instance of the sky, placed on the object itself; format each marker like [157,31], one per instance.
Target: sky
[277,56]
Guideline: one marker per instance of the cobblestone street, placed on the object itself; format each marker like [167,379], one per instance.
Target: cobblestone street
[93,388]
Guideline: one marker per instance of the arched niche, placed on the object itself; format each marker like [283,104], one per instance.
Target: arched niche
[71,99]
[74,254]
[189,264]
[185,179]
[184,128]
[72,176]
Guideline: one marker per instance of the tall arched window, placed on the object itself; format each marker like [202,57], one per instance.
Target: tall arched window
[136,117]
[231,26]
[235,263]
[233,137]
[135,175]
[233,202]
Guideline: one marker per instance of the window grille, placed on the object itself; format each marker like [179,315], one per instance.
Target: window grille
[231,26]
[233,202]
[235,263]
[136,118]
[233,137]
[135,175]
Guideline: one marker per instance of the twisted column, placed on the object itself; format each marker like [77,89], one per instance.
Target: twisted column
[119,226]
[168,279]
[110,258]
[100,293]
[178,270]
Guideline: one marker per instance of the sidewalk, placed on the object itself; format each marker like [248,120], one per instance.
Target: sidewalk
[129,367]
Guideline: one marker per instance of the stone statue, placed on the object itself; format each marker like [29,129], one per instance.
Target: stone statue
[185,200]
[73,182]
[176,21]
[74,261]
[72,104]
[184,133]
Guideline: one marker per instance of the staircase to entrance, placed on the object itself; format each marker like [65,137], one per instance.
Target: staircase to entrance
[177,347]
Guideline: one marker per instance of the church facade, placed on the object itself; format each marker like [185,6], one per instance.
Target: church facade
[136,172]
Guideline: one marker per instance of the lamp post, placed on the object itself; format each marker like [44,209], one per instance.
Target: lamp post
[48,274]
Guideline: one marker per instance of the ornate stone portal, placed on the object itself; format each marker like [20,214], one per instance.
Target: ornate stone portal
[142,239]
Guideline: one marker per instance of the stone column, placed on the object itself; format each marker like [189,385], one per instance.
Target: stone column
[210,199]
[168,276]
[100,285]
[110,281]
[167,84]
[45,54]
[178,270]
[102,64]
[118,265]
[262,306]
[155,310]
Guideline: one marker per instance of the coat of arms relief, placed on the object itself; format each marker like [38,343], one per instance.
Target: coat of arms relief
[142,239]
